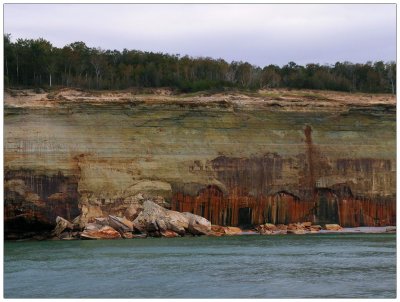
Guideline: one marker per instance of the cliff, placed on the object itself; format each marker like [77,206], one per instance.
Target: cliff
[234,158]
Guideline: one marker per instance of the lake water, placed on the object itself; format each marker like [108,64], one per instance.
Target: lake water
[253,266]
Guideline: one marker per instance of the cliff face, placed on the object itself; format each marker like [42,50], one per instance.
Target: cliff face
[235,159]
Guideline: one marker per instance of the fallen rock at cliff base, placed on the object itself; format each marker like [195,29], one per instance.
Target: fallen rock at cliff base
[169,234]
[177,222]
[269,226]
[122,225]
[217,230]
[299,228]
[296,226]
[333,227]
[315,228]
[132,212]
[62,225]
[69,236]
[266,229]
[215,234]
[271,229]
[282,227]
[232,231]
[127,235]
[93,226]
[155,218]
[197,225]
[92,231]
[101,221]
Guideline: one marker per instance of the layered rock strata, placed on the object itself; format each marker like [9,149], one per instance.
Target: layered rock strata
[280,157]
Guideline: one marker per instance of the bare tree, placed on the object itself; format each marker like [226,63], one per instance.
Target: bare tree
[98,63]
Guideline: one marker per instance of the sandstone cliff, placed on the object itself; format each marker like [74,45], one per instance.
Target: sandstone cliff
[235,159]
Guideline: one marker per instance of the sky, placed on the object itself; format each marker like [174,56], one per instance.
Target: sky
[260,34]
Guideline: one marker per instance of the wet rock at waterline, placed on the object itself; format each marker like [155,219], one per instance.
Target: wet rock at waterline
[197,225]
[95,231]
[333,227]
[61,226]
[294,228]
[156,218]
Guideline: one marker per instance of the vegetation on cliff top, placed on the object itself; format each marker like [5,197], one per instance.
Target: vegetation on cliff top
[37,63]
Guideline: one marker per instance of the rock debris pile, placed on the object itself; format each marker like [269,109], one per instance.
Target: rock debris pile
[153,220]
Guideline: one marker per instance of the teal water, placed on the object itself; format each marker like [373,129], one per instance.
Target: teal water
[308,266]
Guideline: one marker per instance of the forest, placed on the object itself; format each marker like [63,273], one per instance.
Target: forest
[37,63]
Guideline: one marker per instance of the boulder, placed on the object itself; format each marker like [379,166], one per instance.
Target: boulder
[127,235]
[295,226]
[315,228]
[271,229]
[161,225]
[216,231]
[177,222]
[101,221]
[333,227]
[88,214]
[93,226]
[62,225]
[270,226]
[298,228]
[155,218]
[146,220]
[169,234]
[122,225]
[282,227]
[78,225]
[200,230]
[232,231]
[215,234]
[306,224]
[197,225]
[92,231]
[265,231]
[132,211]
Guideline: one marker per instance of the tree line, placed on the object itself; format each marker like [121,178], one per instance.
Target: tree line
[37,63]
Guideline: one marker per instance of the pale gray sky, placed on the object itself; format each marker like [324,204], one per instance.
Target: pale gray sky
[261,34]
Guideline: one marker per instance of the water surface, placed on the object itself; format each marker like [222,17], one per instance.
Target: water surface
[253,266]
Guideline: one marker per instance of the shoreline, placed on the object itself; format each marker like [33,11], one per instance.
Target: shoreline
[343,231]
[356,230]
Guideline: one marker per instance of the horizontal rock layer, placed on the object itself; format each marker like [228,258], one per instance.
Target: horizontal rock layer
[232,159]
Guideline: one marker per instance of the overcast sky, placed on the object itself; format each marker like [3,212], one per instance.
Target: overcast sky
[261,34]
